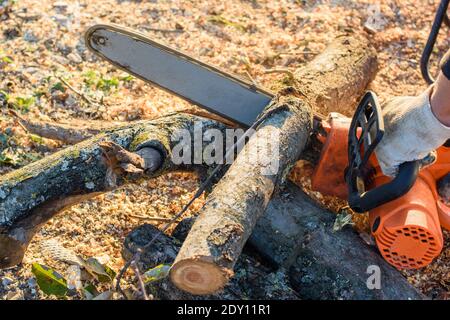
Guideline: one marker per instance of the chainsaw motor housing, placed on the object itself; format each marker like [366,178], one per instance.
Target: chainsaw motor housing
[405,213]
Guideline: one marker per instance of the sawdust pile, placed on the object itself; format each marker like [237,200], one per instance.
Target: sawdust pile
[41,42]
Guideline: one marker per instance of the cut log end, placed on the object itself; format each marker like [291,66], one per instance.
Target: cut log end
[199,277]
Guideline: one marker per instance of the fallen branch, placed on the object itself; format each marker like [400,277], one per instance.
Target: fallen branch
[297,234]
[72,133]
[206,259]
[31,195]
[79,130]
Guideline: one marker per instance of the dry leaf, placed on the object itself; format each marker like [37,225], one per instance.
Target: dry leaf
[73,277]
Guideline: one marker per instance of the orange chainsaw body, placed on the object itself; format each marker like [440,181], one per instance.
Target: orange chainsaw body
[407,230]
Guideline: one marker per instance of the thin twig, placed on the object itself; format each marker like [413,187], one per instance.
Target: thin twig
[163,30]
[78,93]
[279,70]
[18,119]
[28,18]
[149,218]
[295,52]
[140,280]
[251,79]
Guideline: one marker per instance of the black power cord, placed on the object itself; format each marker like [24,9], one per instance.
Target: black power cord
[441,16]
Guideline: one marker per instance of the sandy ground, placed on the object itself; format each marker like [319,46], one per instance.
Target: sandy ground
[41,41]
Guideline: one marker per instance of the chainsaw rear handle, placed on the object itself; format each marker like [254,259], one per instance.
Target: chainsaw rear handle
[366,131]
[397,187]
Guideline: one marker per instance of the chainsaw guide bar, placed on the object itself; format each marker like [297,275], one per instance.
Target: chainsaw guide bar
[197,82]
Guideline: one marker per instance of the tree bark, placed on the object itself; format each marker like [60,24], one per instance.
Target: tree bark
[254,281]
[70,133]
[334,79]
[31,195]
[297,234]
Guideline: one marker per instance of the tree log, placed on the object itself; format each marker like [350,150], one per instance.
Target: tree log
[296,233]
[31,195]
[254,280]
[206,259]
[335,78]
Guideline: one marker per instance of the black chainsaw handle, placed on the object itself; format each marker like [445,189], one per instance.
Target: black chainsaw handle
[397,187]
[440,17]
[366,131]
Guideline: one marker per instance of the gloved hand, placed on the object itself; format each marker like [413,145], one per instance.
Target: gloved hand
[412,131]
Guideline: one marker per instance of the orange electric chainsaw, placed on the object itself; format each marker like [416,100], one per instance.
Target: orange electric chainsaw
[406,213]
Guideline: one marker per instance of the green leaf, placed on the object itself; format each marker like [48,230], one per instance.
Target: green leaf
[8,157]
[157,273]
[6,59]
[38,93]
[49,281]
[90,291]
[107,84]
[23,103]
[5,160]
[36,139]
[47,79]
[111,274]
[101,272]
[4,98]
[58,87]
[127,78]
[90,77]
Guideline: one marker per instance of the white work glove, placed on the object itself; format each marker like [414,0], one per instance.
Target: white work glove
[411,132]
